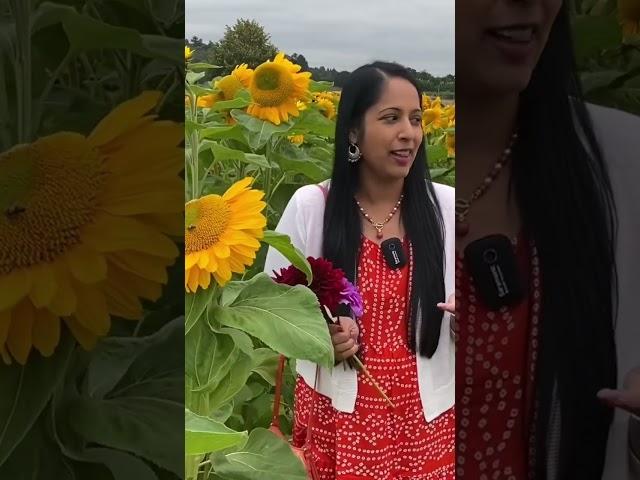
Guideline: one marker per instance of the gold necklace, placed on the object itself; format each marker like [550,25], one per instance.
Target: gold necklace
[463,205]
[379,225]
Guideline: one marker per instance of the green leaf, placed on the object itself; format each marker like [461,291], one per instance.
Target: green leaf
[282,243]
[312,121]
[202,66]
[436,153]
[88,33]
[265,456]
[195,304]
[265,364]
[308,167]
[121,423]
[224,154]
[232,383]
[204,435]
[193,77]
[238,102]
[287,319]
[258,132]
[25,392]
[594,34]
[321,86]
[209,357]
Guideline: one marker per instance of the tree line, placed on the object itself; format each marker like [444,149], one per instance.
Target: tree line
[248,42]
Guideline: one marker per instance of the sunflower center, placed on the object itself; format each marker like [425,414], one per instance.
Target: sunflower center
[206,219]
[272,85]
[48,192]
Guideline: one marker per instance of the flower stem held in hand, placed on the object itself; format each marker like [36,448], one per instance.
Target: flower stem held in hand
[355,362]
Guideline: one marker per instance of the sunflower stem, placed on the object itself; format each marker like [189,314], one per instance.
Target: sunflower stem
[22,13]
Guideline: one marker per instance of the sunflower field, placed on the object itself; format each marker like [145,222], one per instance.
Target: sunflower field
[251,139]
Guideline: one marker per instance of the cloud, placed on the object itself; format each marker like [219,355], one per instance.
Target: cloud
[342,34]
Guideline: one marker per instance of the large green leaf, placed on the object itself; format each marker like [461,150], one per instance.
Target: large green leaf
[204,435]
[282,243]
[594,34]
[312,121]
[265,364]
[209,356]
[315,171]
[88,33]
[223,154]
[264,457]
[258,132]
[195,304]
[25,392]
[231,383]
[135,413]
[125,423]
[287,319]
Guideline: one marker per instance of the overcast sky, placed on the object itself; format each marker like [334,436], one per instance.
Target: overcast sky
[342,34]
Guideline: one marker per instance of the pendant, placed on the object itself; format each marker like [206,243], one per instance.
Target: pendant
[378,227]
[462,228]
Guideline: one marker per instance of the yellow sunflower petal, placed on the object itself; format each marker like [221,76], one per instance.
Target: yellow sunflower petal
[86,265]
[237,188]
[203,261]
[121,301]
[110,233]
[85,338]
[221,250]
[64,300]
[123,117]
[43,286]
[205,279]
[146,266]
[5,322]
[46,332]
[14,287]
[193,277]
[19,339]
[91,311]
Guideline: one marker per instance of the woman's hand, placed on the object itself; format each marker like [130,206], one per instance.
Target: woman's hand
[450,307]
[344,336]
[627,398]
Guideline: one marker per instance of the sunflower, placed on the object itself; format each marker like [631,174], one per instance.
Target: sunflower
[629,15]
[326,104]
[238,79]
[275,88]
[221,234]
[206,101]
[296,139]
[188,53]
[451,144]
[84,225]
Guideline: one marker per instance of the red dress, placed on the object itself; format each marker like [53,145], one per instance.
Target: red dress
[495,370]
[377,442]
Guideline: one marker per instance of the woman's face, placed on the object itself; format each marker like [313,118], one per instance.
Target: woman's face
[392,131]
[499,42]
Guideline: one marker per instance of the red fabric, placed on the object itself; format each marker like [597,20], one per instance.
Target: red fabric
[495,362]
[376,441]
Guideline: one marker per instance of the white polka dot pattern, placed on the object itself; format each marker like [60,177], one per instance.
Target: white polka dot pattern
[495,373]
[376,441]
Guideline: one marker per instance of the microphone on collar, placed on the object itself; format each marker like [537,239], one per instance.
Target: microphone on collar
[394,253]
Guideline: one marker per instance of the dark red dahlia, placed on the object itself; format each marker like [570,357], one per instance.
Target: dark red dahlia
[327,281]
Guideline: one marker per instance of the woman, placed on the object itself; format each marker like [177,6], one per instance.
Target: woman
[380,177]
[536,377]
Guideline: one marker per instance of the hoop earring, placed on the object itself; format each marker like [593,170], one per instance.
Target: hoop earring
[353,153]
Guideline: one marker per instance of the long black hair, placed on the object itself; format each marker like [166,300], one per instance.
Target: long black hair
[420,211]
[566,200]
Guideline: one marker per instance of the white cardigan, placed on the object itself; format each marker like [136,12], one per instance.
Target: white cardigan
[302,220]
[618,134]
